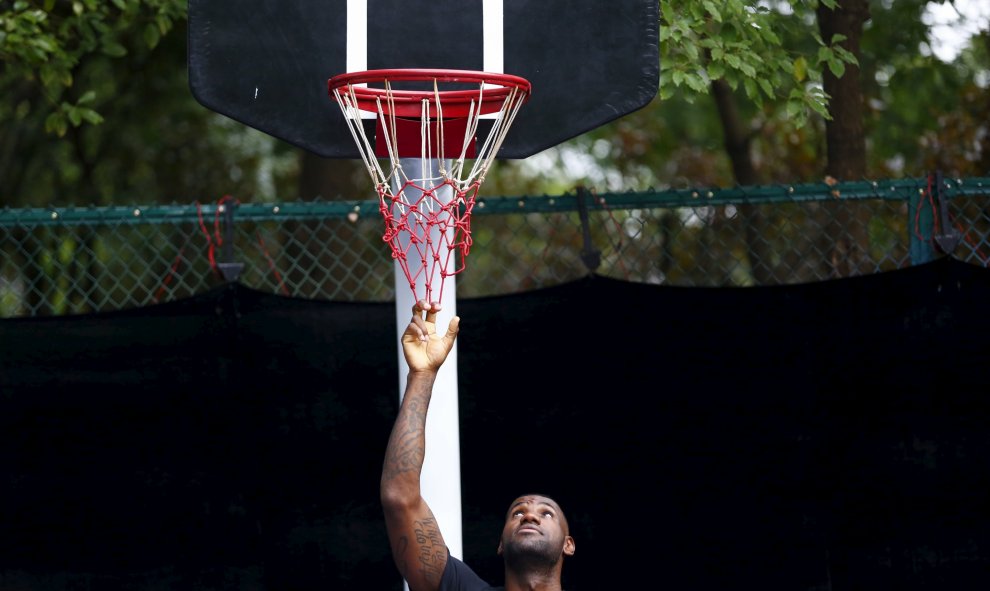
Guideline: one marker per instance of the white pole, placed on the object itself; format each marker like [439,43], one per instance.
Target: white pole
[441,477]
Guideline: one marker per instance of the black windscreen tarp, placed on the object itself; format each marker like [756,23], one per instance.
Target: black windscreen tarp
[828,435]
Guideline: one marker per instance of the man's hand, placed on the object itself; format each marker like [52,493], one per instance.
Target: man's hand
[424,349]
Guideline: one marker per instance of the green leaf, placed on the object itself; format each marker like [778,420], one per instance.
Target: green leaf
[49,76]
[751,91]
[87,97]
[766,86]
[113,48]
[691,51]
[667,12]
[152,35]
[90,116]
[846,55]
[769,35]
[74,116]
[164,23]
[837,67]
[696,83]
[45,44]
[713,10]
[819,107]
[665,81]
[55,123]
[716,70]
[794,107]
[800,69]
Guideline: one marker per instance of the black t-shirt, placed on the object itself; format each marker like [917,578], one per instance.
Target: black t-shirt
[458,576]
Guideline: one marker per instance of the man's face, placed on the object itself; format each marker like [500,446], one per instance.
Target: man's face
[535,531]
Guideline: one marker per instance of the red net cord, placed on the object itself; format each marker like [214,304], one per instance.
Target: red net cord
[429,237]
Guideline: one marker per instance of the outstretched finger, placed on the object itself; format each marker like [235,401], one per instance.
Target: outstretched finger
[431,311]
[417,326]
[453,327]
[418,308]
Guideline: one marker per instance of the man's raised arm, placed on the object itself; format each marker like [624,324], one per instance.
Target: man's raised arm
[417,545]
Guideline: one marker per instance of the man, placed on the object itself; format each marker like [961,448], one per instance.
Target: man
[535,537]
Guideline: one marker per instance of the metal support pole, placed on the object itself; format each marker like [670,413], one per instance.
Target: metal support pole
[441,476]
[231,270]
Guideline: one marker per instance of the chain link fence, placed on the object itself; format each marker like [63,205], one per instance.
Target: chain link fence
[80,260]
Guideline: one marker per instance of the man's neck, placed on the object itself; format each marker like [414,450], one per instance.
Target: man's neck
[532,581]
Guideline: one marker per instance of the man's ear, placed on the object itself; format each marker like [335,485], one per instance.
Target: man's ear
[499,551]
[569,546]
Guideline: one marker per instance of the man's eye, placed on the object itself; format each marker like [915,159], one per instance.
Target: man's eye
[517,513]
[548,513]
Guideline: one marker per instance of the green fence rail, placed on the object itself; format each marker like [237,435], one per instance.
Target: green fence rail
[71,260]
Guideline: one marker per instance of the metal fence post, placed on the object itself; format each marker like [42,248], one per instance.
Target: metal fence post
[590,256]
[921,227]
[230,270]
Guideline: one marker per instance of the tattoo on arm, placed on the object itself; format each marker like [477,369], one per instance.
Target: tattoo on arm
[432,551]
[418,546]
[406,446]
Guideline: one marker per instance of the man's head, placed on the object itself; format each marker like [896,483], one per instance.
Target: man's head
[535,534]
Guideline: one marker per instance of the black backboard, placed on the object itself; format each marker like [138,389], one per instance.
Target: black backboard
[266,63]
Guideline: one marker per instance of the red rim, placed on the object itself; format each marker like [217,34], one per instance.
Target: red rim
[455,103]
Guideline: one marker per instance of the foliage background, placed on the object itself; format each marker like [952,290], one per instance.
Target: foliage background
[96,109]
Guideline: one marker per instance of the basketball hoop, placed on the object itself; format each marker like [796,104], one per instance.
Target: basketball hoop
[435,116]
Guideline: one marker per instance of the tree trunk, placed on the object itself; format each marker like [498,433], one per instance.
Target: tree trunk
[737,141]
[846,231]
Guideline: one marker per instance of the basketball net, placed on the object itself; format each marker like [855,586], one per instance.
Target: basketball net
[427,212]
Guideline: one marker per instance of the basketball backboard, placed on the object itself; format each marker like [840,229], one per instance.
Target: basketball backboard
[266,63]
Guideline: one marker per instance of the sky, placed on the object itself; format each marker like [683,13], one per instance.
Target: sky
[952,27]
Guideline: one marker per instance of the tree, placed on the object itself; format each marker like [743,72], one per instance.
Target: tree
[845,235]
[97,110]
[43,46]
